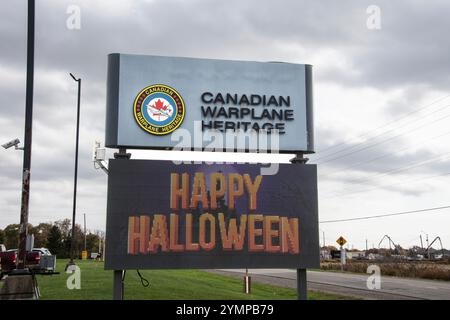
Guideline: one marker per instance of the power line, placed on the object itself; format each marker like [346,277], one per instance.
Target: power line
[382,133]
[389,172]
[399,169]
[387,185]
[387,124]
[383,141]
[386,215]
[387,154]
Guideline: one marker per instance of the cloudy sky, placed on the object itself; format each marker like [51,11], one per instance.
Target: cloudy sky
[382,99]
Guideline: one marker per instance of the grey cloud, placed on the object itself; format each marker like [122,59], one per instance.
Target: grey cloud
[379,155]
[411,49]
[402,53]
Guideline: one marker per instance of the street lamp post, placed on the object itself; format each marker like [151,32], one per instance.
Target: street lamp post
[72,243]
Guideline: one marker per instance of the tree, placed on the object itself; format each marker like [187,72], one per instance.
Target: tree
[41,233]
[92,241]
[2,236]
[55,242]
[67,242]
[64,227]
[12,236]
[78,243]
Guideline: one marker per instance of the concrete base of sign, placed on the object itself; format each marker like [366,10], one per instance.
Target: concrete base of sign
[19,287]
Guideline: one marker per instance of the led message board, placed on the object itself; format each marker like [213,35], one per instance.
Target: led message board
[163,215]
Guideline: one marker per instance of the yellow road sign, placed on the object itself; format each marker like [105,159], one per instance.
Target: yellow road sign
[341,241]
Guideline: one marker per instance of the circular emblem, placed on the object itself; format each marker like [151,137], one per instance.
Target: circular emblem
[159,109]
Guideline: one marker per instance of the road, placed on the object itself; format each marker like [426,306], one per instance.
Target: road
[355,285]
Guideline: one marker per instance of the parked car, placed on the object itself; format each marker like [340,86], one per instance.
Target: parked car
[43,251]
[39,260]
[8,260]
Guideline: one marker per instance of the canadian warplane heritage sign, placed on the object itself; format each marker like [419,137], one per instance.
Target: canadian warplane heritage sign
[163,215]
[151,99]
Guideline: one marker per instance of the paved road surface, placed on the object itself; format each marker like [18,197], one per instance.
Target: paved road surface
[351,284]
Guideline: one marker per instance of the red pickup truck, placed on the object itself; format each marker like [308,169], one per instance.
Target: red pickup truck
[8,260]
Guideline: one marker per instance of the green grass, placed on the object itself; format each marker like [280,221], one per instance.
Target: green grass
[96,283]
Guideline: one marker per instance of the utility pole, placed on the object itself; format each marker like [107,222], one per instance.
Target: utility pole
[323,233]
[367,248]
[72,243]
[21,283]
[28,139]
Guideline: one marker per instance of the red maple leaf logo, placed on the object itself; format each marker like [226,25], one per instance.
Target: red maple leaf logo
[159,105]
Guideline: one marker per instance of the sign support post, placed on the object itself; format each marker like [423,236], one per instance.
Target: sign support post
[341,241]
[302,284]
[118,285]
[343,258]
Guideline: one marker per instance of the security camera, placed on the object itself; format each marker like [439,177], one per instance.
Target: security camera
[13,143]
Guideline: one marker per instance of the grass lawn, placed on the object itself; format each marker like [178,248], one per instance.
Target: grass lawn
[96,283]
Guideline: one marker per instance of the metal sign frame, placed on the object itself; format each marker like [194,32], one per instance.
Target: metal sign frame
[189,78]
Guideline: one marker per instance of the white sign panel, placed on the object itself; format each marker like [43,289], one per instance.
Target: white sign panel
[153,101]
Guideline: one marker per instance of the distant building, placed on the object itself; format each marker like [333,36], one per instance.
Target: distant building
[355,254]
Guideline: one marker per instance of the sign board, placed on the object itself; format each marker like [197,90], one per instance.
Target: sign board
[154,102]
[162,215]
[341,241]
